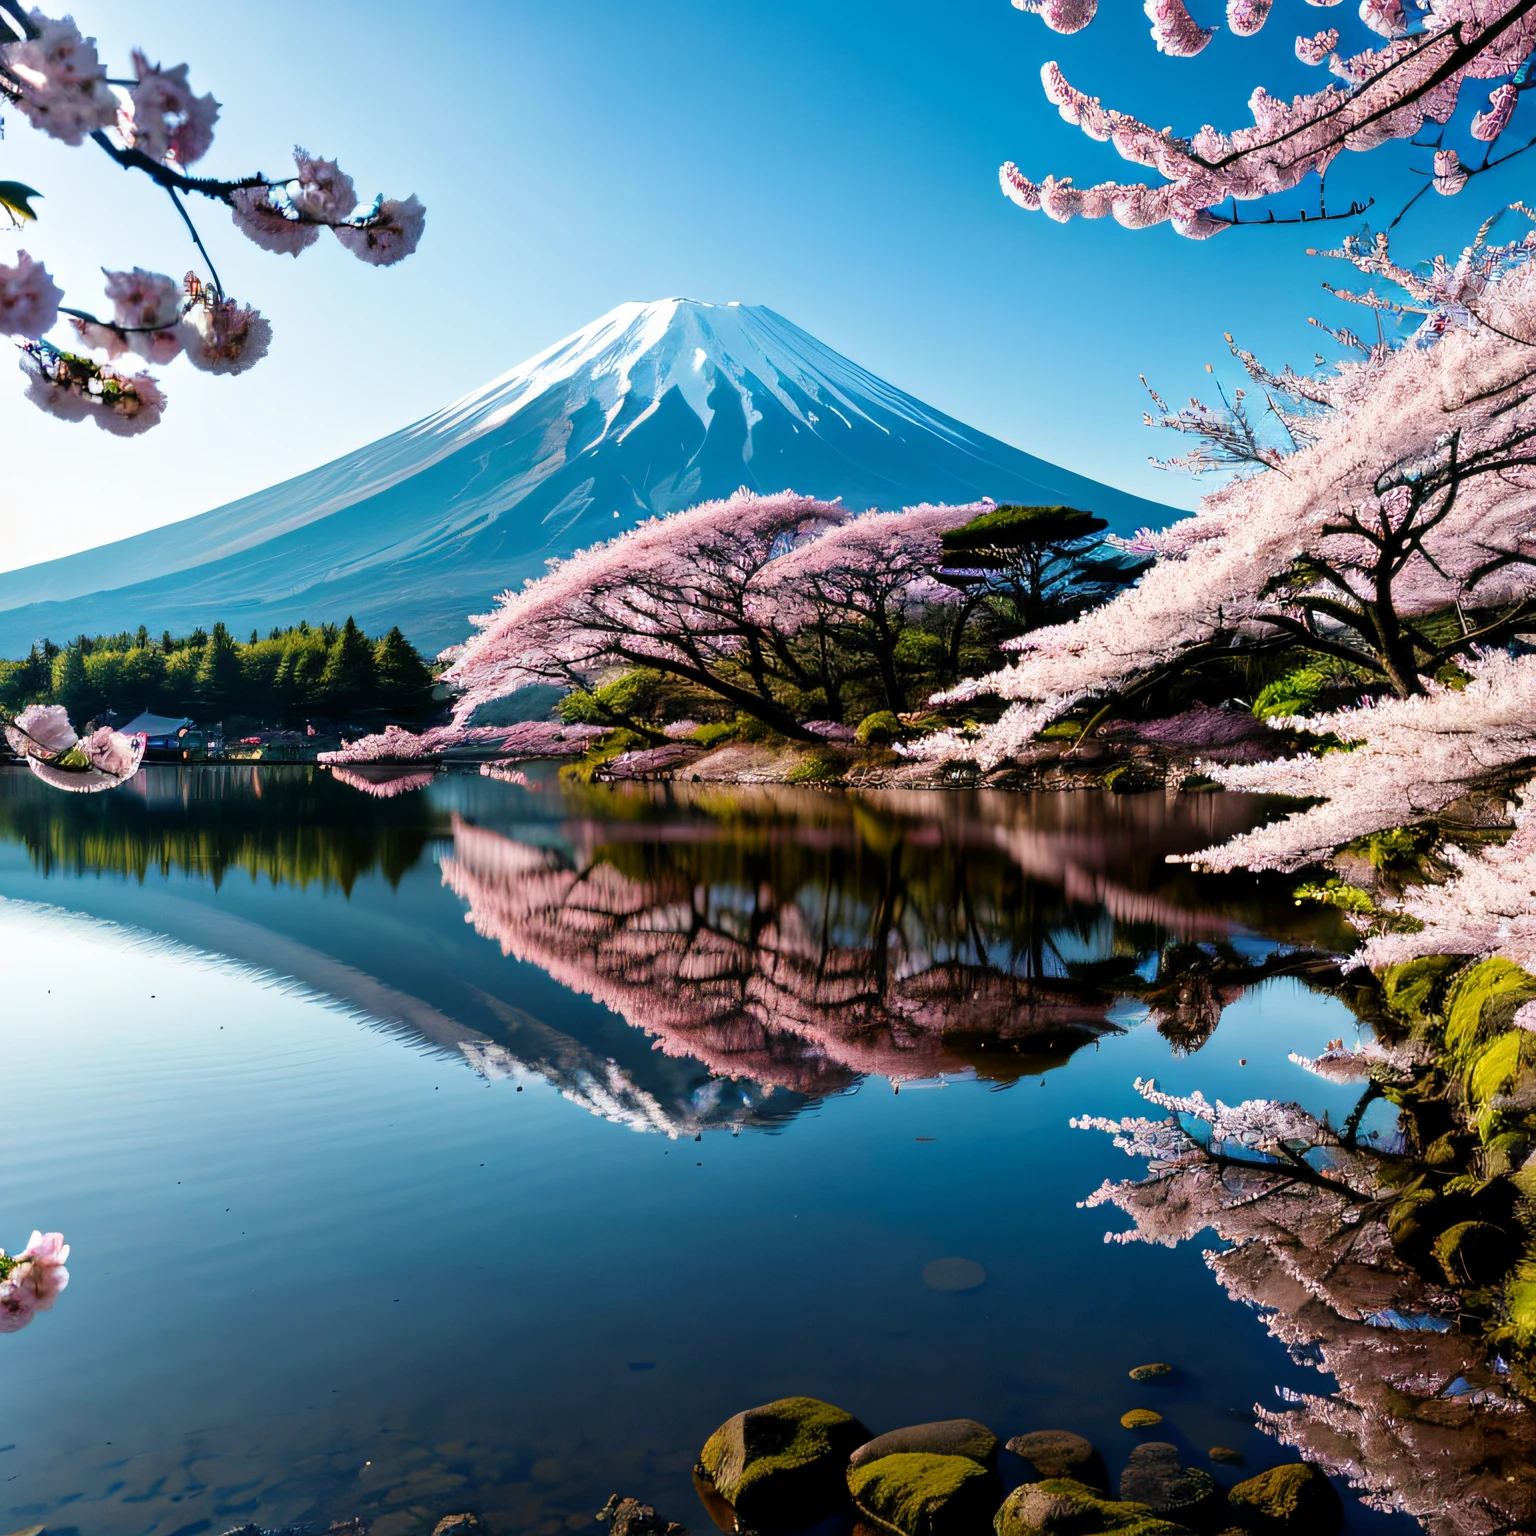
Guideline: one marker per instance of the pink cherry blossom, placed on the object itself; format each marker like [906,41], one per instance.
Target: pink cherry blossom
[1246,17]
[271,226]
[222,336]
[322,192]
[40,1270]
[1384,16]
[1490,123]
[1385,93]
[29,298]
[145,307]
[62,86]
[1060,15]
[163,119]
[41,730]
[1314,49]
[17,1307]
[1450,174]
[1174,30]
[388,236]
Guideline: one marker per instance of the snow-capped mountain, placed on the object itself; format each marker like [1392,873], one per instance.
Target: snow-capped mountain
[650,409]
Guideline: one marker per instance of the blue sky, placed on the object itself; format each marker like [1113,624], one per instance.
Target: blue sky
[836,161]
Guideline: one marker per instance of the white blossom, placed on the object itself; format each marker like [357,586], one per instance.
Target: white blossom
[163,119]
[388,236]
[222,336]
[269,224]
[63,88]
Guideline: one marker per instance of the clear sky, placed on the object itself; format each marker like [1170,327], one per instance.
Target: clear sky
[833,159]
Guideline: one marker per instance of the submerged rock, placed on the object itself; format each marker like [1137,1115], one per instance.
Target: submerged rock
[1155,1372]
[781,1467]
[945,1437]
[1061,1507]
[1225,1456]
[629,1518]
[1140,1418]
[1154,1476]
[1285,1500]
[1058,1453]
[913,1494]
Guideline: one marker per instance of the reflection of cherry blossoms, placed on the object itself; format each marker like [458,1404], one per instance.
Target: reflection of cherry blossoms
[105,759]
[806,988]
[32,1281]
[382,783]
[1419,1420]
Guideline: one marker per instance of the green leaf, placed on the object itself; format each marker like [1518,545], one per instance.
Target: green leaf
[13,198]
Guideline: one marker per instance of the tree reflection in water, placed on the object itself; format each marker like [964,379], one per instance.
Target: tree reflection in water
[804,941]
[1423,1419]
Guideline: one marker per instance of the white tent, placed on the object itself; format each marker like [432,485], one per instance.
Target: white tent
[156,727]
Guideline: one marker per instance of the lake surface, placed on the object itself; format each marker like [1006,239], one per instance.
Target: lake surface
[486,1146]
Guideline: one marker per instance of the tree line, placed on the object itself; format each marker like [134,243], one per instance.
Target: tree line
[284,678]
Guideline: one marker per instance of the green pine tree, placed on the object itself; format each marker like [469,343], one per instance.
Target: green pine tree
[350,674]
[218,672]
[403,681]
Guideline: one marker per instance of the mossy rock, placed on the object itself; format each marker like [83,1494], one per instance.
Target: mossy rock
[1061,1507]
[1481,1001]
[1414,988]
[1156,1477]
[781,1467]
[1058,1453]
[1155,1372]
[1225,1456]
[914,1494]
[1140,1418]
[1296,1500]
[879,728]
[946,1437]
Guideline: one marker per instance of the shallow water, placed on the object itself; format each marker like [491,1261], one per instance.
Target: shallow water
[486,1146]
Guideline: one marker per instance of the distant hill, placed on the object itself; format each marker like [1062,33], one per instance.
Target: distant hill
[650,409]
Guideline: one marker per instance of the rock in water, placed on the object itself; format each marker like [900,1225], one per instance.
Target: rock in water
[1155,1372]
[912,1494]
[1155,1477]
[1057,1453]
[630,1518]
[782,1467]
[1288,1501]
[1140,1418]
[1061,1507]
[1225,1456]
[954,1275]
[467,1525]
[947,1437]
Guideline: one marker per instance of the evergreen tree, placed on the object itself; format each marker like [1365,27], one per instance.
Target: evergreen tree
[71,685]
[218,672]
[350,674]
[402,676]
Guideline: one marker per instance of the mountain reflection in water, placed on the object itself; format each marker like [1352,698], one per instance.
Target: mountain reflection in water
[679,959]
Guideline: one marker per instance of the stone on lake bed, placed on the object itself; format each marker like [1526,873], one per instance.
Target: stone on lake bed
[1225,1456]
[1156,1372]
[629,1516]
[1060,1505]
[1058,1453]
[1295,1499]
[1156,1477]
[1140,1418]
[954,1275]
[781,1467]
[913,1494]
[946,1437]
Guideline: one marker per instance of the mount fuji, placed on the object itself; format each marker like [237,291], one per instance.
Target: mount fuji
[650,409]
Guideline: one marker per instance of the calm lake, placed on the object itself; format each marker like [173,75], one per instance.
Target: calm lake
[484,1147]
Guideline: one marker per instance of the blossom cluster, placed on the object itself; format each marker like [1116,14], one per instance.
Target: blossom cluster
[1421,446]
[43,736]
[1487,908]
[1410,758]
[529,739]
[1386,91]
[33,1280]
[55,78]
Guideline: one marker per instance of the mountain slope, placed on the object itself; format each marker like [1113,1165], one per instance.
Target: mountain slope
[649,409]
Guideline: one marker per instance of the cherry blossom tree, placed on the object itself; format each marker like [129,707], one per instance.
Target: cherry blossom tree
[1420,67]
[751,599]
[1394,530]
[153,123]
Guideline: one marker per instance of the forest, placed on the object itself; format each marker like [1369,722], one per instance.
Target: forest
[290,675]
